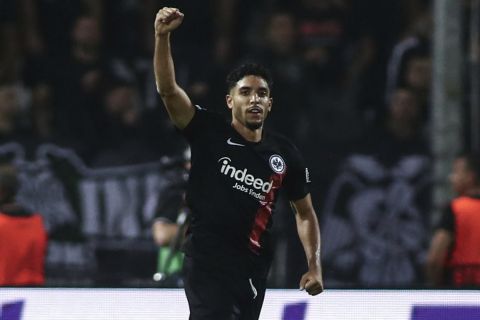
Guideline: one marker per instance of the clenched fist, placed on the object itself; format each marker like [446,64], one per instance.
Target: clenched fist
[167,20]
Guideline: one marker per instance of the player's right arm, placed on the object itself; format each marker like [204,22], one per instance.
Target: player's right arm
[440,245]
[178,104]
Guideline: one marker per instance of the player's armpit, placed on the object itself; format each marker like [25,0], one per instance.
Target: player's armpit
[179,107]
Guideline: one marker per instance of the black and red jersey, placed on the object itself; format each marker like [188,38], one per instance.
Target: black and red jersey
[233,186]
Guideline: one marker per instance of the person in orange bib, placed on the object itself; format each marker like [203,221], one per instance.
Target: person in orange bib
[23,238]
[454,255]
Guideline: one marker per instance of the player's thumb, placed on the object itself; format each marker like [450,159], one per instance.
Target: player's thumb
[303,282]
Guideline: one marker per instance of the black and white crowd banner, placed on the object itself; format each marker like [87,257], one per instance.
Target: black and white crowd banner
[375,222]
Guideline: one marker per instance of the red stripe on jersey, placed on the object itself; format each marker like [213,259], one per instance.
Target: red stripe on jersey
[264,213]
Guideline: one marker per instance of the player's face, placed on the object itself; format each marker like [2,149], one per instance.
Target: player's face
[250,102]
[461,178]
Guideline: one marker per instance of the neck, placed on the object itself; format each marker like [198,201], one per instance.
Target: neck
[474,191]
[246,133]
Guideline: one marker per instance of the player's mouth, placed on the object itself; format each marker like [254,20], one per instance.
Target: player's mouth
[255,110]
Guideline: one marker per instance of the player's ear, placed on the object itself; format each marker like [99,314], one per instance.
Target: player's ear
[270,102]
[229,100]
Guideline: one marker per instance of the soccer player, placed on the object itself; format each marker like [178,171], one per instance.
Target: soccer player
[237,171]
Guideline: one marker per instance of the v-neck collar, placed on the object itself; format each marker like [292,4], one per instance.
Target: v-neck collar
[245,141]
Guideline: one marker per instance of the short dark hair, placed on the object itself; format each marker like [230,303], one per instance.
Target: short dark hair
[249,69]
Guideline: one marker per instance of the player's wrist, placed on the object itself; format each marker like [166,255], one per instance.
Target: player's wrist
[315,266]
[162,34]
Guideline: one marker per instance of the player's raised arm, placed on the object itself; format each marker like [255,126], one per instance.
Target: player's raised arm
[177,102]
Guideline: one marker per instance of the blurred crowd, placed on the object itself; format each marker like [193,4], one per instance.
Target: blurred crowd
[350,77]
[78,72]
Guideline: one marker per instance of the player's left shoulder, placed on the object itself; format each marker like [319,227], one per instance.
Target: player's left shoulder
[283,153]
[283,144]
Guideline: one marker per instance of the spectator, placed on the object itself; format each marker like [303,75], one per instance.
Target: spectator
[23,239]
[77,84]
[323,34]
[379,25]
[401,131]
[409,53]
[44,28]
[45,24]
[325,39]
[130,134]
[417,75]
[454,255]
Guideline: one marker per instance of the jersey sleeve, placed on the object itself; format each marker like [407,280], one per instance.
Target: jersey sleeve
[447,221]
[169,208]
[202,122]
[297,180]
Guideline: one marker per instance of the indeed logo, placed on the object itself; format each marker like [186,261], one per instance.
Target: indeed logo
[243,176]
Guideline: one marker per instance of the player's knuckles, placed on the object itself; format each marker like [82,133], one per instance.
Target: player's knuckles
[314,291]
[313,286]
[165,12]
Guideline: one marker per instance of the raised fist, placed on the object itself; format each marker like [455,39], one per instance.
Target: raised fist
[167,20]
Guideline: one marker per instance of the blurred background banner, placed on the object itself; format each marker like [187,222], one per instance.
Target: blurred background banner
[375,222]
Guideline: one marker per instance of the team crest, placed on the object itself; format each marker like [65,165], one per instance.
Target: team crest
[277,163]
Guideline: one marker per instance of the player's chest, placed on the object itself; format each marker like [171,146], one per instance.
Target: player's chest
[234,157]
